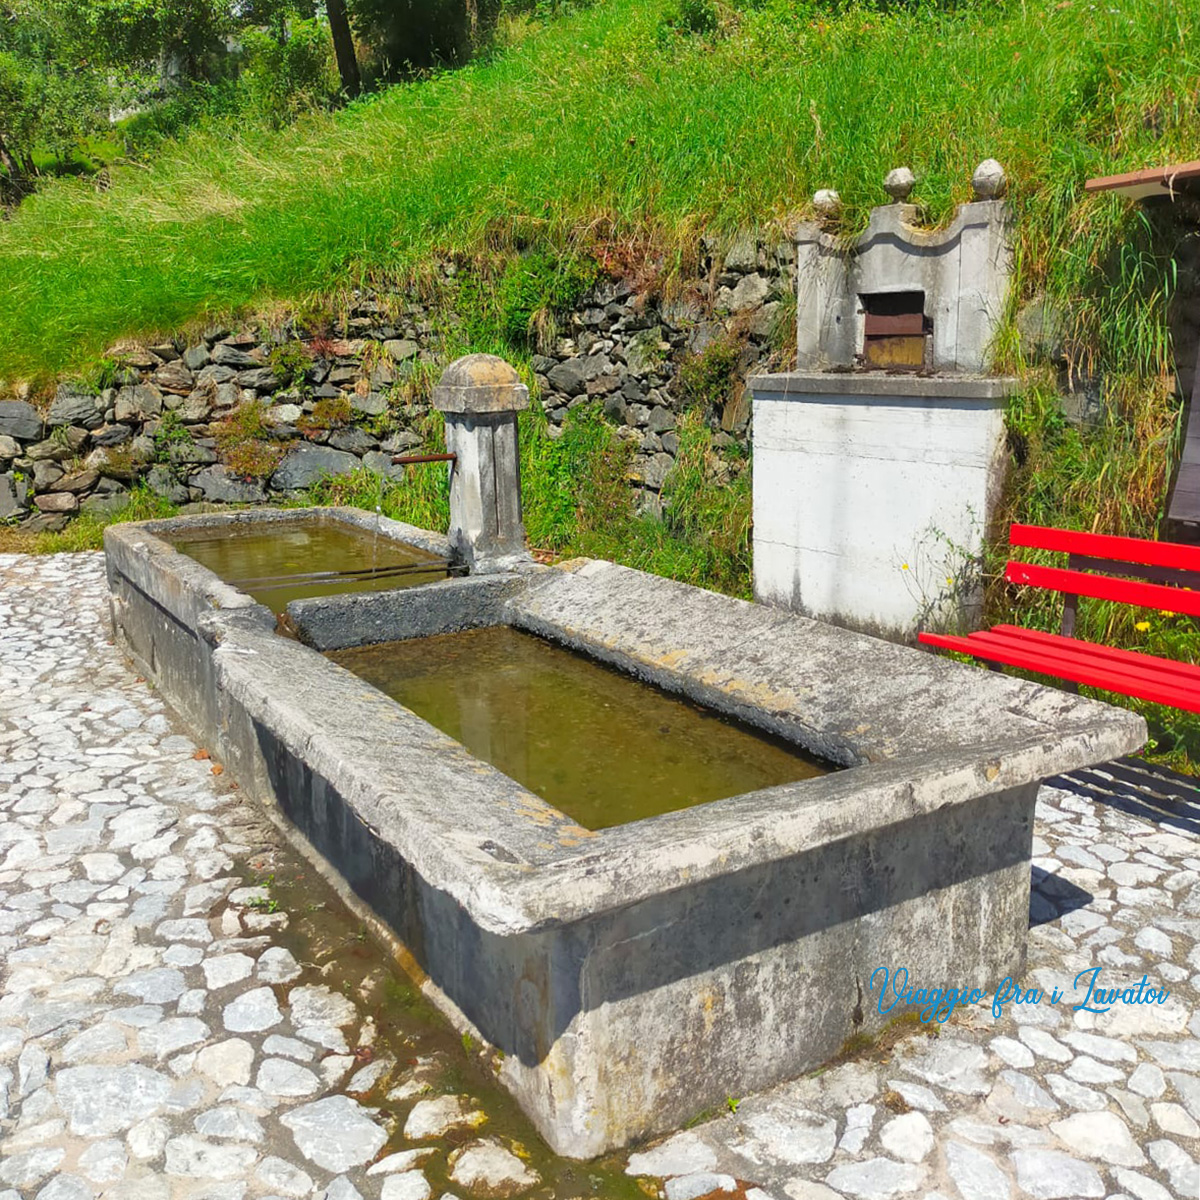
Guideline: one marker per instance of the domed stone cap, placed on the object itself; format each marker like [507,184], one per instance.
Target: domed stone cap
[827,202]
[480,383]
[988,181]
[899,183]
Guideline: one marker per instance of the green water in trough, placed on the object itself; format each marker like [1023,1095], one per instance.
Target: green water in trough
[276,562]
[595,743]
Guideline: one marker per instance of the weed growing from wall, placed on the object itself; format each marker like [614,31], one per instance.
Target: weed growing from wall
[246,442]
[517,304]
[705,380]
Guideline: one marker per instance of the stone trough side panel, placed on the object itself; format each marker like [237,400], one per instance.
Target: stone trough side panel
[158,621]
[368,618]
[760,975]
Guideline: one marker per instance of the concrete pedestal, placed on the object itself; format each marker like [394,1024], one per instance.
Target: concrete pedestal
[872,494]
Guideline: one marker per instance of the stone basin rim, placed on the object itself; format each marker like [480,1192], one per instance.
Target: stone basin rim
[623,865]
[615,968]
[144,540]
[588,870]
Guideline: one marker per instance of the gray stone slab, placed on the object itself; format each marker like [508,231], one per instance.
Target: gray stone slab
[20,420]
[307,465]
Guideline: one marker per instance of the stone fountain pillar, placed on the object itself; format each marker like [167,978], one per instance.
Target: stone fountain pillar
[481,396]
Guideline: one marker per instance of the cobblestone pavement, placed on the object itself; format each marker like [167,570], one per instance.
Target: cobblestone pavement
[163,1033]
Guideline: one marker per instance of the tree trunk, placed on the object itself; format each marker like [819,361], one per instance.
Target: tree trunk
[343,47]
[20,168]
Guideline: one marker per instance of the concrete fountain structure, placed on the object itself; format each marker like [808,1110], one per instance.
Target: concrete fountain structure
[879,461]
[635,975]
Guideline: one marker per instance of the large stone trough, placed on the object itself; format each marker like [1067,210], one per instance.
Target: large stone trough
[635,976]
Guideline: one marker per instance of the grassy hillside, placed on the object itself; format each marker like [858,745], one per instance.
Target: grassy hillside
[609,123]
[613,129]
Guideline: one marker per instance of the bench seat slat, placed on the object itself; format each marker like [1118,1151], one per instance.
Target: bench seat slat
[1066,655]
[1149,685]
[1100,545]
[1102,587]
[1169,666]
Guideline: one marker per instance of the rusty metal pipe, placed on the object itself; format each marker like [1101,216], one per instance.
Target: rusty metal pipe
[404,460]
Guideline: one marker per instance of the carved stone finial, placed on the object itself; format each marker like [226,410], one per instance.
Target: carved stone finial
[899,183]
[480,383]
[827,202]
[988,181]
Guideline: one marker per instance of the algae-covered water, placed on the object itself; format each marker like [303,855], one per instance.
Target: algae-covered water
[595,743]
[257,558]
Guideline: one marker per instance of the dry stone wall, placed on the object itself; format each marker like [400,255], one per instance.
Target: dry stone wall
[331,405]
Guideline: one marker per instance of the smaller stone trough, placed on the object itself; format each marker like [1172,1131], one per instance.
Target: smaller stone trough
[635,975]
[161,596]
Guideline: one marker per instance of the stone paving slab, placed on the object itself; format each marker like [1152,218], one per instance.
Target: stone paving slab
[158,1039]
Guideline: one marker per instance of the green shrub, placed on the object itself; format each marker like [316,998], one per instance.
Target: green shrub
[578,501]
[333,412]
[421,498]
[575,486]
[192,106]
[692,17]
[285,75]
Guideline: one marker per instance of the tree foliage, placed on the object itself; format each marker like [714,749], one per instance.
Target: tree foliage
[73,68]
[68,67]
[53,90]
[286,74]
[184,36]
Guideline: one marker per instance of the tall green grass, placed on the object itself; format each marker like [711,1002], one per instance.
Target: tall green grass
[602,129]
[596,125]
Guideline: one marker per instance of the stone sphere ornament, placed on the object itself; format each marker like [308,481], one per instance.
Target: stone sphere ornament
[827,202]
[988,181]
[899,183]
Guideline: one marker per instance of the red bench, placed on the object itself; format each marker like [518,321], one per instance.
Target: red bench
[1158,575]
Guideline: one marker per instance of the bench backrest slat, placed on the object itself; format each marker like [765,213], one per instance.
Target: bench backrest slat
[1102,587]
[1104,546]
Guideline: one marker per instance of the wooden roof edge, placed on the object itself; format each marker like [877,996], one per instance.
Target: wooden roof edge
[1165,178]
